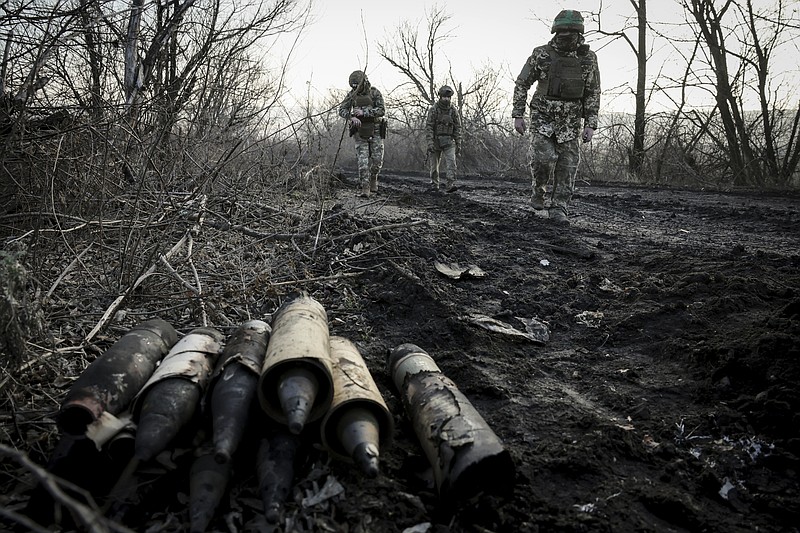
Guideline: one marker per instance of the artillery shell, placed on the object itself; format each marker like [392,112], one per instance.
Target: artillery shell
[297,390]
[357,431]
[234,384]
[169,400]
[112,380]
[275,466]
[169,405]
[358,423]
[295,386]
[466,455]
[208,482]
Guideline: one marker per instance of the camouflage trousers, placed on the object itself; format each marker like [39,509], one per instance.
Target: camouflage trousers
[554,161]
[445,158]
[369,154]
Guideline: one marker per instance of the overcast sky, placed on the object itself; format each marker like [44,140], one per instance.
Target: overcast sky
[343,35]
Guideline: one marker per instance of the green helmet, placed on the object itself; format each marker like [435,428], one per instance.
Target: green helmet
[568,20]
[356,77]
[446,90]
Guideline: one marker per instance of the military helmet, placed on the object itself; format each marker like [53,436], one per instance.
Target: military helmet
[446,90]
[568,20]
[356,77]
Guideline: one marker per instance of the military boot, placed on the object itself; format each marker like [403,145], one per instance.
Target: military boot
[364,190]
[558,214]
[373,183]
[537,202]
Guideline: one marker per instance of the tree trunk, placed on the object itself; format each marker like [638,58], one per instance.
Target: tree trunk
[636,160]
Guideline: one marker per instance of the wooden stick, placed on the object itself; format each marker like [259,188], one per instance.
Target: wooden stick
[115,305]
[65,272]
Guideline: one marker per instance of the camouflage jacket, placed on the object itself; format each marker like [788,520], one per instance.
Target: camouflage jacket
[374,111]
[442,126]
[561,118]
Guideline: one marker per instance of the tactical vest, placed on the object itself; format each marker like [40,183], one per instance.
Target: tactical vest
[444,122]
[564,79]
[367,128]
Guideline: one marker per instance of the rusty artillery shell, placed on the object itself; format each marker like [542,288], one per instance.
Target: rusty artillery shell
[358,423]
[466,455]
[296,386]
[275,467]
[169,400]
[112,380]
[233,385]
[208,481]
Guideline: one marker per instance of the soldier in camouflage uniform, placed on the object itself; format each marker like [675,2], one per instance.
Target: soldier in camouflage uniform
[567,91]
[443,137]
[364,109]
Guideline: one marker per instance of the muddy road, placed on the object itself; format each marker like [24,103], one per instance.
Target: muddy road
[664,396]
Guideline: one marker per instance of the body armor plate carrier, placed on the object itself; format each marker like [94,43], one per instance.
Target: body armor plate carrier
[367,128]
[564,79]
[444,122]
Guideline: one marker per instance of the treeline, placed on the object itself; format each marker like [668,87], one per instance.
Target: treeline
[102,98]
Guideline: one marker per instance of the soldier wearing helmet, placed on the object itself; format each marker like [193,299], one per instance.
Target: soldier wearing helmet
[443,137]
[563,109]
[364,110]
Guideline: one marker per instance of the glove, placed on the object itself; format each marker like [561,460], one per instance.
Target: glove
[520,126]
[587,134]
[355,122]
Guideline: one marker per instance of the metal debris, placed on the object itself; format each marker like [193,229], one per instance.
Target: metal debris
[330,489]
[535,330]
[456,271]
[590,319]
[466,456]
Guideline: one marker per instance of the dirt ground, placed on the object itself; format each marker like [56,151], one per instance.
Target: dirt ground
[664,399]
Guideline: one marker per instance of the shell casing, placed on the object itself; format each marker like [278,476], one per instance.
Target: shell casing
[358,424]
[466,455]
[299,352]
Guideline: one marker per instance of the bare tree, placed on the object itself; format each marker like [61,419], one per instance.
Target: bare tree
[637,151]
[132,77]
[641,51]
[417,52]
[761,146]
[415,59]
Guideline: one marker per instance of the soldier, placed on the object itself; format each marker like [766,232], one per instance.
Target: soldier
[363,107]
[443,136]
[567,90]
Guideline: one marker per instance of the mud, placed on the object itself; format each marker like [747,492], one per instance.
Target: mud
[664,396]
